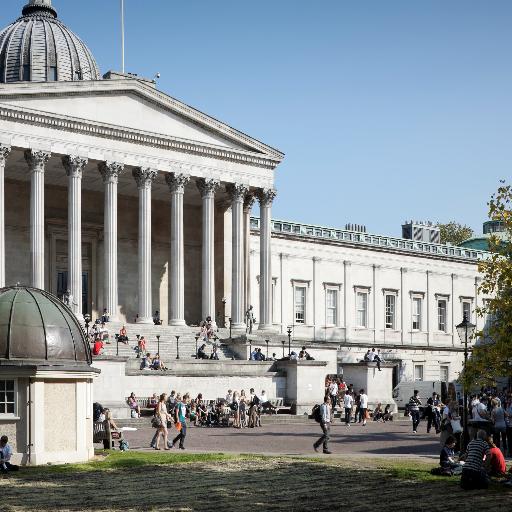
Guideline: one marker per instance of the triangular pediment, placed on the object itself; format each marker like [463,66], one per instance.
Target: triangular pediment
[134,105]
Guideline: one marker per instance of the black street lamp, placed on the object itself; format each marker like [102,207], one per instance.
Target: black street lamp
[218,320]
[233,349]
[177,347]
[266,341]
[117,344]
[158,338]
[466,330]
[197,337]
[250,349]
[289,340]
[224,312]
[283,342]
[87,320]
[138,346]
[230,328]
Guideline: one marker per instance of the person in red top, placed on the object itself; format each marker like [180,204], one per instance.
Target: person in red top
[98,348]
[498,466]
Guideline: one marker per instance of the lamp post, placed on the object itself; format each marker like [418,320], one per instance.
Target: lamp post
[138,346]
[197,337]
[87,320]
[250,349]
[233,349]
[158,339]
[230,328]
[224,312]
[289,331]
[218,320]
[266,341]
[466,330]
[283,342]
[177,347]
[117,344]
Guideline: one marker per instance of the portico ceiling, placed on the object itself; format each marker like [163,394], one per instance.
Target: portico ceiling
[17,169]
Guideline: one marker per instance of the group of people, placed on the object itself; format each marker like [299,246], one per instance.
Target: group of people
[207,332]
[247,407]
[374,357]
[201,352]
[152,363]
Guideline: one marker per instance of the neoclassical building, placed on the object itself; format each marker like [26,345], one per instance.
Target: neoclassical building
[136,202]
[132,200]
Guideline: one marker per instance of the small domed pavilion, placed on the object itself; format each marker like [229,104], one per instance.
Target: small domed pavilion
[45,379]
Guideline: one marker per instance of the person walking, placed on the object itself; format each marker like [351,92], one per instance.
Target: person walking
[325,423]
[348,407]
[162,415]
[181,417]
[333,391]
[414,409]
[363,406]
[433,413]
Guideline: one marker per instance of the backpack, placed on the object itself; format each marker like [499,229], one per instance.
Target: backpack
[97,409]
[316,413]
[255,400]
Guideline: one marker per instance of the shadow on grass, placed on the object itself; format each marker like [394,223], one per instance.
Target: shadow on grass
[158,482]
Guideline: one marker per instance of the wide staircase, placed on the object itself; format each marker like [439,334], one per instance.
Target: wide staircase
[168,346]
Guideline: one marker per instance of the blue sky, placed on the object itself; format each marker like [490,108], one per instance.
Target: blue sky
[386,110]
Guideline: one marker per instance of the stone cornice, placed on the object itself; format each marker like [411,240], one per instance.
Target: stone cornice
[269,157]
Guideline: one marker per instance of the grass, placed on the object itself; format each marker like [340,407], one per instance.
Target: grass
[147,481]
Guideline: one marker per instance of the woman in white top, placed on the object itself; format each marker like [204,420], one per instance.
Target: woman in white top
[161,412]
[236,400]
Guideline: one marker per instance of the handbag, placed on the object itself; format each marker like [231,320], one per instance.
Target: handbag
[178,426]
[456,427]
[367,415]
[156,422]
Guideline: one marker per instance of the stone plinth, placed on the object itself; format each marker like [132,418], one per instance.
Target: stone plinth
[377,385]
[304,383]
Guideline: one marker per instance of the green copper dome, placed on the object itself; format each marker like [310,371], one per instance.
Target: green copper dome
[37,328]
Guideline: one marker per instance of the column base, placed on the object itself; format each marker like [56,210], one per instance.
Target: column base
[145,320]
[266,327]
[177,321]
[112,318]
[238,326]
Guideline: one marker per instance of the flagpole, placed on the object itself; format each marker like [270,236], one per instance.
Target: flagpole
[122,31]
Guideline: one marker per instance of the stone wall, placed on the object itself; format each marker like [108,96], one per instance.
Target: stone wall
[59,416]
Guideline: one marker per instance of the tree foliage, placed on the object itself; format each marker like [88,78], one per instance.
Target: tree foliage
[492,353]
[454,233]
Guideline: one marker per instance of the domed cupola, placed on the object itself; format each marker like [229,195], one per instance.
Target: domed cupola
[39,48]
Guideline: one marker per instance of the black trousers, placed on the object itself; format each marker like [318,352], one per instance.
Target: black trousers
[11,467]
[432,419]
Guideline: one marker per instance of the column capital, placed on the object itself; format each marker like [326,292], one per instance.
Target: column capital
[248,202]
[74,165]
[37,159]
[265,196]
[144,176]
[4,154]
[176,182]
[110,171]
[237,192]
[207,187]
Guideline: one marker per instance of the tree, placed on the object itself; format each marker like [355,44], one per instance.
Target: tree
[454,233]
[492,354]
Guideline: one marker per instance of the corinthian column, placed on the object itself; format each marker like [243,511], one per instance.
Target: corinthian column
[144,177]
[207,188]
[248,202]
[265,198]
[237,194]
[4,153]
[74,166]
[177,184]
[36,160]
[110,172]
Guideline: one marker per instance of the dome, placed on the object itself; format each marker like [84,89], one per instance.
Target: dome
[39,48]
[37,328]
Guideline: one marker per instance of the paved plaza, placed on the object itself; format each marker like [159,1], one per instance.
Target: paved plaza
[374,439]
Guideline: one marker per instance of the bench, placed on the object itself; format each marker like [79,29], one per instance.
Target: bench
[145,410]
[102,432]
[278,403]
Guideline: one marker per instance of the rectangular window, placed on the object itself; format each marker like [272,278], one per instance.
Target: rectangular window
[441,315]
[466,310]
[362,306]
[331,306]
[443,373]
[418,372]
[7,397]
[53,74]
[300,304]
[390,311]
[416,314]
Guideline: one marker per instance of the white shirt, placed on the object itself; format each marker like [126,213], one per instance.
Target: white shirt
[333,388]
[229,398]
[481,408]
[372,356]
[446,412]
[263,399]
[348,401]
[7,451]
[364,401]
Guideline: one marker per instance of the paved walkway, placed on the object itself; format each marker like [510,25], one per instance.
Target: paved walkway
[391,439]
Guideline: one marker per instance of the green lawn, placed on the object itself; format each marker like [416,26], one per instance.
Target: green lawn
[148,481]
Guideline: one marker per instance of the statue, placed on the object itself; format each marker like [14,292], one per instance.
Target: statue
[249,315]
